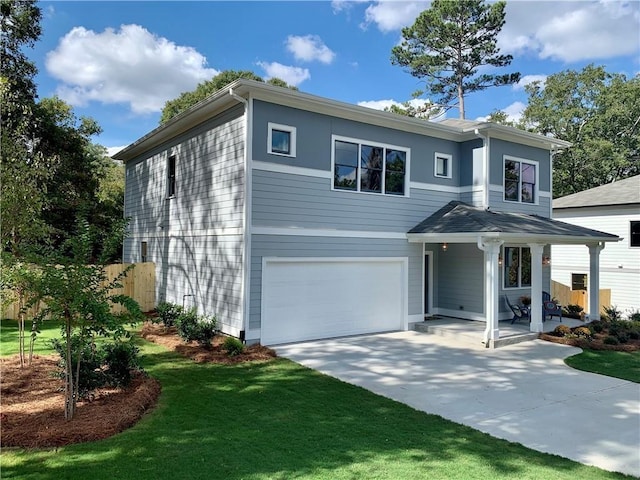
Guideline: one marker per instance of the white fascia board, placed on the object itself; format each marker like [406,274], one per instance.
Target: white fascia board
[512,134]
[519,238]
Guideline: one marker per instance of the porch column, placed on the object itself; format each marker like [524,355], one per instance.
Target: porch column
[594,280]
[536,287]
[491,249]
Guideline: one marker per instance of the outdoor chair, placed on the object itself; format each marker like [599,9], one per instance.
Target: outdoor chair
[550,308]
[519,313]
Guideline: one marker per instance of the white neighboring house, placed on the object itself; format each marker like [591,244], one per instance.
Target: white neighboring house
[613,208]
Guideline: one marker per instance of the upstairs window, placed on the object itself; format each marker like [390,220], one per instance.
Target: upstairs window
[634,237]
[442,165]
[281,140]
[520,180]
[171,176]
[517,267]
[369,167]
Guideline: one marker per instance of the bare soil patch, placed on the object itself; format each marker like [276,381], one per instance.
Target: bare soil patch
[32,402]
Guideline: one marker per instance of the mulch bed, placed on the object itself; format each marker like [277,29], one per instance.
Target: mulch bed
[32,413]
[596,343]
[32,408]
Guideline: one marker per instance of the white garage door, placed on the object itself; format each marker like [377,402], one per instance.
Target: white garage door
[306,299]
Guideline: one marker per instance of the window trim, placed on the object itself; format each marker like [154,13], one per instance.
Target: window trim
[520,286]
[292,139]
[385,146]
[449,159]
[631,244]
[171,179]
[536,195]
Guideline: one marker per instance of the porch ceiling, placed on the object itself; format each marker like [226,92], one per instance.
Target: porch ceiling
[459,222]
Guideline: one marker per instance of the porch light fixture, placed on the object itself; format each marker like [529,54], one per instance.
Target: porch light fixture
[500,259]
[546,260]
[444,247]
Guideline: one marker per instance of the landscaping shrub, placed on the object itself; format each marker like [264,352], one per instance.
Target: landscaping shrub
[596,327]
[582,332]
[562,330]
[634,316]
[612,314]
[572,311]
[120,359]
[168,313]
[195,328]
[611,340]
[233,346]
[108,365]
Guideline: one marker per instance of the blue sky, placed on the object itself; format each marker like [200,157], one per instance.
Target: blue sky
[119,62]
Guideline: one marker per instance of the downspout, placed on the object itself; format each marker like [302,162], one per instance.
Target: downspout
[246,215]
[486,145]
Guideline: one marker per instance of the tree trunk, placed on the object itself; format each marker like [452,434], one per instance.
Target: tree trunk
[460,100]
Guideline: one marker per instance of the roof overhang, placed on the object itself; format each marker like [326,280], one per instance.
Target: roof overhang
[223,100]
[472,237]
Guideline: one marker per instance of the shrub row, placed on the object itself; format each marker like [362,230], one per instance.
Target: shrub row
[194,327]
[617,331]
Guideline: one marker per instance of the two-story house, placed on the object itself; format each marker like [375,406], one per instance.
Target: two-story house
[294,217]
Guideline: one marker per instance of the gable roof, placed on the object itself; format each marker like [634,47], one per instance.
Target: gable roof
[622,192]
[227,97]
[459,221]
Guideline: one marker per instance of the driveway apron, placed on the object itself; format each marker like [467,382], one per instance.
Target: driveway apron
[523,393]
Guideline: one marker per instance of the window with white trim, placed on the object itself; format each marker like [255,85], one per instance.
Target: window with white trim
[520,180]
[362,166]
[442,165]
[517,267]
[281,140]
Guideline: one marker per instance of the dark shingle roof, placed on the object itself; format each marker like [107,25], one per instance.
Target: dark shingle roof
[462,218]
[622,192]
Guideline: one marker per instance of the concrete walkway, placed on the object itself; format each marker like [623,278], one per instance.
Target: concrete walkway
[523,393]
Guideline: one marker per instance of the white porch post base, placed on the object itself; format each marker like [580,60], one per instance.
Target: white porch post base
[536,287]
[491,249]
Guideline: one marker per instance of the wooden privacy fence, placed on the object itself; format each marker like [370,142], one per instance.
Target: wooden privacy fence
[566,296]
[139,284]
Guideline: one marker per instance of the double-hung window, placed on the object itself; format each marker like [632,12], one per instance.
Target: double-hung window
[634,230]
[369,167]
[520,180]
[517,267]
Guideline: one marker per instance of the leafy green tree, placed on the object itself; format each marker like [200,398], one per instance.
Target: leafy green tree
[447,45]
[77,294]
[599,113]
[408,109]
[203,90]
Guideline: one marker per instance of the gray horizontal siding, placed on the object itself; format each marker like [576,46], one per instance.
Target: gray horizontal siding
[203,272]
[297,246]
[286,200]
[460,278]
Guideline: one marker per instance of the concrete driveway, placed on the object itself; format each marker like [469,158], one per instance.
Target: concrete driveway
[523,393]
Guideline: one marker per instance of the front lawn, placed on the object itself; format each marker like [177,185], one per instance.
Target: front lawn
[624,365]
[279,420]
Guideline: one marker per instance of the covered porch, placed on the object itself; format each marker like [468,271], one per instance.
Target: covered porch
[483,237]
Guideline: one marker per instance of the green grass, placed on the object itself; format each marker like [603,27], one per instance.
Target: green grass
[624,365]
[9,337]
[279,420]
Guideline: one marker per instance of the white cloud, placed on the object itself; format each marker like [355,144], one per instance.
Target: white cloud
[130,65]
[513,111]
[292,75]
[342,5]
[527,79]
[390,16]
[111,151]
[572,31]
[416,103]
[378,104]
[309,48]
